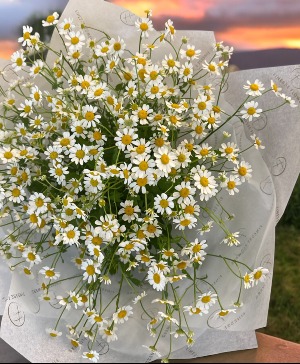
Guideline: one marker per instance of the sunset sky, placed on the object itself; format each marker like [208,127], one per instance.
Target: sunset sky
[245,24]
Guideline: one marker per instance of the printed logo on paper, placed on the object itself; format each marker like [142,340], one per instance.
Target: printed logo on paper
[16,314]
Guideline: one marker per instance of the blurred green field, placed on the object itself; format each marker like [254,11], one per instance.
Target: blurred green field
[284,313]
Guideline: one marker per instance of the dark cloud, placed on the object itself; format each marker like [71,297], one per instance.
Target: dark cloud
[219,23]
[13,14]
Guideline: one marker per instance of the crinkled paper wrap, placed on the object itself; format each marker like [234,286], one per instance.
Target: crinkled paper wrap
[258,207]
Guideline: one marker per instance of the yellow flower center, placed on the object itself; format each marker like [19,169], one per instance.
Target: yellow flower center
[204,152]
[223,313]
[53,155]
[31,257]
[182,265]
[39,202]
[104,49]
[154,90]
[89,116]
[247,278]
[156,278]
[171,63]
[185,222]
[129,210]
[74,343]
[80,154]
[8,155]
[142,114]
[143,166]
[186,71]
[90,355]
[228,150]
[65,142]
[27,109]
[117,46]
[49,273]
[190,53]
[59,172]
[16,192]
[122,314]
[27,271]
[141,182]
[164,203]
[202,105]
[98,92]
[258,275]
[33,218]
[206,299]
[159,142]
[126,139]
[204,181]
[184,192]
[254,87]
[165,159]
[26,35]
[50,19]
[85,84]
[75,40]
[242,171]
[90,269]
[140,149]
[251,111]
[212,68]
[144,27]
[37,70]
[181,158]
[216,109]
[189,209]
[231,185]
[19,62]
[196,311]
[211,120]
[71,234]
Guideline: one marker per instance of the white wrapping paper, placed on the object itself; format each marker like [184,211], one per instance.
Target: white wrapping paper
[257,207]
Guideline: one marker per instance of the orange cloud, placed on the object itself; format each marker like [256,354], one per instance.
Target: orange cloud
[7,47]
[262,38]
[191,9]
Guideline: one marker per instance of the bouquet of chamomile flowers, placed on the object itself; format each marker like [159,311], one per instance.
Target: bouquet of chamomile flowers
[108,157]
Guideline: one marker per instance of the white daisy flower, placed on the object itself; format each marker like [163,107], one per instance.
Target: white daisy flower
[243,170]
[76,299]
[79,154]
[231,184]
[255,88]
[59,173]
[117,47]
[205,182]
[232,239]
[38,203]
[156,279]
[26,108]
[259,275]
[123,314]
[18,60]
[184,192]
[190,53]
[139,298]
[164,204]
[251,111]
[90,117]
[144,166]
[165,160]
[206,300]
[125,137]
[211,67]
[31,257]
[50,273]
[202,106]
[70,235]
[15,193]
[74,40]
[192,311]
[92,355]
[51,19]
[248,280]
[170,29]
[144,25]
[129,212]
[229,150]
[257,142]
[91,270]
[53,333]
[66,26]
[186,71]
[275,88]
[109,334]
[170,64]
[186,221]
[143,114]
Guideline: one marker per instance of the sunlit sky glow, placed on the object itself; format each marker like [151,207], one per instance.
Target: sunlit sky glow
[245,24]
